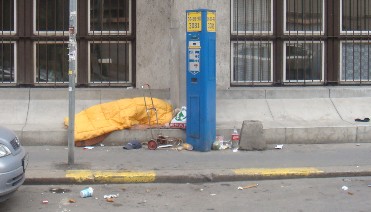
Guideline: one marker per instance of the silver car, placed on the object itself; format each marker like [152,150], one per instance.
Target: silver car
[12,163]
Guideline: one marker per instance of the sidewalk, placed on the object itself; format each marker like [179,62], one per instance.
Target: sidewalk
[113,164]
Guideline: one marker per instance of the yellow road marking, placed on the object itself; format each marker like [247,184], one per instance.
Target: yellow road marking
[278,171]
[112,176]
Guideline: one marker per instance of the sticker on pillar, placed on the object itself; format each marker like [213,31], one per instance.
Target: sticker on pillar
[194,22]
[194,61]
[194,44]
[211,22]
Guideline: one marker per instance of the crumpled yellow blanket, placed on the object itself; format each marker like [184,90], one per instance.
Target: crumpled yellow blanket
[117,115]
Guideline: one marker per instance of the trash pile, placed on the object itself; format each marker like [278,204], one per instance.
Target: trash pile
[162,142]
[233,143]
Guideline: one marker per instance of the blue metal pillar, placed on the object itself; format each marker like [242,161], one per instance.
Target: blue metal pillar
[201,78]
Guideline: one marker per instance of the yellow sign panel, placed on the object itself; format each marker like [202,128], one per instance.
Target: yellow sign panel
[211,22]
[194,22]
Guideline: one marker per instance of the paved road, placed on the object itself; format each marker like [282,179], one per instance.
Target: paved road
[321,194]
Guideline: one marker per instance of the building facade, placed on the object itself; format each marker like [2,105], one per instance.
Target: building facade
[128,43]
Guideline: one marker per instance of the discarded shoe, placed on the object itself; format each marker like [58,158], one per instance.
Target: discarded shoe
[362,120]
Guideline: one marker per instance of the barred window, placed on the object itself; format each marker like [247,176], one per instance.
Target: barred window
[7,62]
[109,16]
[304,16]
[7,16]
[355,54]
[110,56]
[51,62]
[303,61]
[355,16]
[355,61]
[51,16]
[7,45]
[252,61]
[252,16]
[109,62]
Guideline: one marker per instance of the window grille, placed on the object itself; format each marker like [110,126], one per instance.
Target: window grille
[7,43]
[110,48]
[51,21]
[303,61]
[51,62]
[355,57]
[304,16]
[252,61]
[251,45]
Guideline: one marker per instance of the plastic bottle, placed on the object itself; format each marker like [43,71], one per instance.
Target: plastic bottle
[235,140]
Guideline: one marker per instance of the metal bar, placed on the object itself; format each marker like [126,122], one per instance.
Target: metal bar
[72,76]
[367,2]
[235,71]
[109,41]
[2,42]
[117,46]
[2,60]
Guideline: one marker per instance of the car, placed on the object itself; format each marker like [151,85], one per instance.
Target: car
[13,159]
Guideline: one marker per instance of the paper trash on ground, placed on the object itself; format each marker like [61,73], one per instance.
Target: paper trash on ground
[279,146]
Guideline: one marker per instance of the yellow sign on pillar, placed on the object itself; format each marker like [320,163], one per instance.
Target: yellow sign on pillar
[211,22]
[194,22]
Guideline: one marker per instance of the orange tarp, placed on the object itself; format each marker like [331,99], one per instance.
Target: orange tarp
[117,115]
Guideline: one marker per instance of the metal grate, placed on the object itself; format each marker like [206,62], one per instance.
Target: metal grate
[37,53]
[355,55]
[110,45]
[15,143]
[251,44]
[7,44]
[313,42]
[51,54]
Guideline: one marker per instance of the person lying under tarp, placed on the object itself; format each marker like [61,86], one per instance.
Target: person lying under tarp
[102,119]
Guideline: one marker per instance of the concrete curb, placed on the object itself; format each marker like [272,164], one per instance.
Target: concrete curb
[42,177]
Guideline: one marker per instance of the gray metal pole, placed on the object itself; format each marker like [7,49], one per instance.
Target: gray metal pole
[71,85]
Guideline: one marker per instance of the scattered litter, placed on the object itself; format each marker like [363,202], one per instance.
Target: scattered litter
[358,144]
[72,201]
[109,200]
[188,147]
[110,196]
[45,201]
[221,144]
[89,147]
[345,188]
[165,146]
[165,142]
[362,120]
[235,139]
[248,186]
[350,193]
[347,180]
[86,192]
[235,150]
[279,146]
[59,190]
[212,194]
[101,144]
